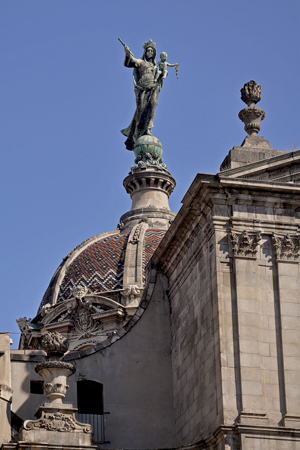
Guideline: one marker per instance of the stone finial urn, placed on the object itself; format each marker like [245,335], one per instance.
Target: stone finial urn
[251,116]
[55,372]
[56,424]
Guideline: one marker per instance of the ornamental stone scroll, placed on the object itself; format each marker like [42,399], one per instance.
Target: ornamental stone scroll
[244,244]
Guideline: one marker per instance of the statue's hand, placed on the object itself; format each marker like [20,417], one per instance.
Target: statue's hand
[127,51]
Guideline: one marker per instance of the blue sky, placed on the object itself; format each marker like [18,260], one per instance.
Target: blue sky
[65,96]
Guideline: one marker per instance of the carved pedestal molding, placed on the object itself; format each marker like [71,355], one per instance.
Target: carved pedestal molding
[149,189]
[287,247]
[244,244]
[57,421]
[55,416]
[251,116]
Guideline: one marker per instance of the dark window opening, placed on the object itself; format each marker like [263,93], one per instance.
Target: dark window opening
[89,397]
[36,387]
[16,423]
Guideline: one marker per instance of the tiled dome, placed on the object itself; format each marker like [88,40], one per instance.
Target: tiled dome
[98,264]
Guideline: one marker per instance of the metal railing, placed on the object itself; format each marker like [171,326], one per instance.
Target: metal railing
[98,423]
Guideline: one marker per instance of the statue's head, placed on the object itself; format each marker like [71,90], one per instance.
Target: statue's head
[149,51]
[163,56]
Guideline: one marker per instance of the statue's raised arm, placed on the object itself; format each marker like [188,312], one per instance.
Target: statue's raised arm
[126,48]
[147,84]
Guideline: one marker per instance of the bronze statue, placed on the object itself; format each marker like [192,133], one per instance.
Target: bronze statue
[147,79]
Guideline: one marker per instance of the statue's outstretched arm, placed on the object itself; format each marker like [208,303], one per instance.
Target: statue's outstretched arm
[126,48]
[174,65]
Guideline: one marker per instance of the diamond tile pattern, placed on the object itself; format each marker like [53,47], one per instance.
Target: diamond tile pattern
[151,242]
[99,267]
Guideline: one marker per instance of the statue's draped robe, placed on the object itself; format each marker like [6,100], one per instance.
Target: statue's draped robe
[146,91]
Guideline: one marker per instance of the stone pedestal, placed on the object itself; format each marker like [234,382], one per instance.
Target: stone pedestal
[149,185]
[149,189]
[253,149]
[56,425]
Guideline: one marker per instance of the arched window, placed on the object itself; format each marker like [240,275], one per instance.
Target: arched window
[90,407]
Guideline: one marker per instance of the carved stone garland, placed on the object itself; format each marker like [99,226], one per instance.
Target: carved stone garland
[244,245]
[287,247]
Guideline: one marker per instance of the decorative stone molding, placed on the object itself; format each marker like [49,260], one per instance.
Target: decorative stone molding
[45,309]
[132,295]
[120,226]
[243,244]
[287,247]
[54,344]
[54,365]
[156,179]
[57,421]
[79,292]
[251,116]
[54,389]
[251,93]
[137,233]
[26,329]
[81,315]
[131,291]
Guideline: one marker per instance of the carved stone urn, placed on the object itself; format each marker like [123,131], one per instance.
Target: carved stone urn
[55,373]
[251,116]
[55,416]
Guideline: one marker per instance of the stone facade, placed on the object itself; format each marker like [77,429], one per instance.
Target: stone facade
[232,261]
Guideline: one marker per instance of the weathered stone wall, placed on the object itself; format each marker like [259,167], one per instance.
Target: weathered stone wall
[195,341]
[5,388]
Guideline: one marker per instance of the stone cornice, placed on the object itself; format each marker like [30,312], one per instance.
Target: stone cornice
[207,190]
[258,167]
[149,178]
[259,184]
